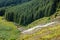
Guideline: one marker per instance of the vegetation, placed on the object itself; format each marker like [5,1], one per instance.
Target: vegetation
[8,30]
[51,32]
[4,3]
[48,33]
[41,21]
[26,13]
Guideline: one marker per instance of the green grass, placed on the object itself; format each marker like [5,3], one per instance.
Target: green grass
[8,30]
[50,33]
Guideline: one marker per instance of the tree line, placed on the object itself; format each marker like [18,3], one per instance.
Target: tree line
[30,11]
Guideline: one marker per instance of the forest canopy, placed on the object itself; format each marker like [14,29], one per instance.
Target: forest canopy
[28,12]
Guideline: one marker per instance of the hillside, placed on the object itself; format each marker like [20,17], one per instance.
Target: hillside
[29,19]
[51,32]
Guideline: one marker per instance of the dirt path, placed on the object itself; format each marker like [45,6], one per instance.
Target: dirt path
[34,29]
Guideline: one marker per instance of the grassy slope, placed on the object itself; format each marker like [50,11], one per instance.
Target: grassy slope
[8,30]
[48,33]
